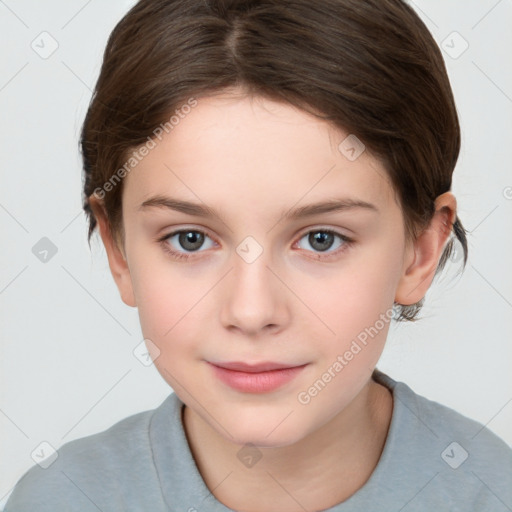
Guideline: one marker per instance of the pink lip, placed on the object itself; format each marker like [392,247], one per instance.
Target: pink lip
[253,368]
[255,378]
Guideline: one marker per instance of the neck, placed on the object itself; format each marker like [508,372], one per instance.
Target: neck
[321,470]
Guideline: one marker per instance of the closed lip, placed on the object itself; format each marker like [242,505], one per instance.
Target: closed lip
[240,366]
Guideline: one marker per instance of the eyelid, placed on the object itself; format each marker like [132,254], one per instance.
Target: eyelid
[207,232]
[176,231]
[336,231]
[347,241]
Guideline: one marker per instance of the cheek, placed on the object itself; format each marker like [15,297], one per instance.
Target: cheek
[351,299]
[351,315]
[168,298]
[171,314]
[335,306]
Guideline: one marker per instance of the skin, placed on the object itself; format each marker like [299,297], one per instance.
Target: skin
[250,159]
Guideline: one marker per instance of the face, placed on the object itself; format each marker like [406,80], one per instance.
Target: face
[253,281]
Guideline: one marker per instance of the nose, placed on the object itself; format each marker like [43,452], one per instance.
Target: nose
[254,298]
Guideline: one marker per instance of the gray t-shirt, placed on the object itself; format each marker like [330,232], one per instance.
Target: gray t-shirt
[434,459]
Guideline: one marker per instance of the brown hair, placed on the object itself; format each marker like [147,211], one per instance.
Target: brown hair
[370,67]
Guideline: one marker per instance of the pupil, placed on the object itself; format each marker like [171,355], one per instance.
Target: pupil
[191,240]
[321,241]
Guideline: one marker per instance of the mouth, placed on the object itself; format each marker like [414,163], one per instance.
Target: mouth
[255,378]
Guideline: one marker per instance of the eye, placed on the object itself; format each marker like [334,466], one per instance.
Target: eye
[190,240]
[324,239]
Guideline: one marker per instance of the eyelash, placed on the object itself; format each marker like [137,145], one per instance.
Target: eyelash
[348,242]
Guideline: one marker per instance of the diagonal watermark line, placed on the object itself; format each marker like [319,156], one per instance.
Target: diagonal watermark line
[491,491]
[14,424]
[7,493]
[301,300]
[302,197]
[493,287]
[71,222]
[485,218]
[221,220]
[210,493]
[75,15]
[14,76]
[96,300]
[483,427]
[75,425]
[86,85]
[287,492]
[280,423]
[13,217]
[416,7]
[419,492]
[198,402]
[429,275]
[13,279]
[486,14]
[3,3]
[81,491]
[198,301]
[492,81]
[414,414]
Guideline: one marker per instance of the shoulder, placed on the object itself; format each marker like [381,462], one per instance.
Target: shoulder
[482,444]
[470,466]
[97,471]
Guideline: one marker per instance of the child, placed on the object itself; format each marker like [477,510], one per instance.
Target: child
[271,181]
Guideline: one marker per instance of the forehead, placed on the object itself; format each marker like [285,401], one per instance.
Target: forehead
[244,150]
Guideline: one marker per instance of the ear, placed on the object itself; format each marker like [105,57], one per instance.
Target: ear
[116,258]
[423,255]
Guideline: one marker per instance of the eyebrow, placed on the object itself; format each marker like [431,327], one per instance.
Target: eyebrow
[201,210]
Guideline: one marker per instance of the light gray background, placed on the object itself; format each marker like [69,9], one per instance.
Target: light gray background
[67,367]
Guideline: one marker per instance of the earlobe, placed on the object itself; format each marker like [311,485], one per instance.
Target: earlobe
[116,259]
[424,253]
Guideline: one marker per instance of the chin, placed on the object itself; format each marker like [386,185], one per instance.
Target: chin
[264,434]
